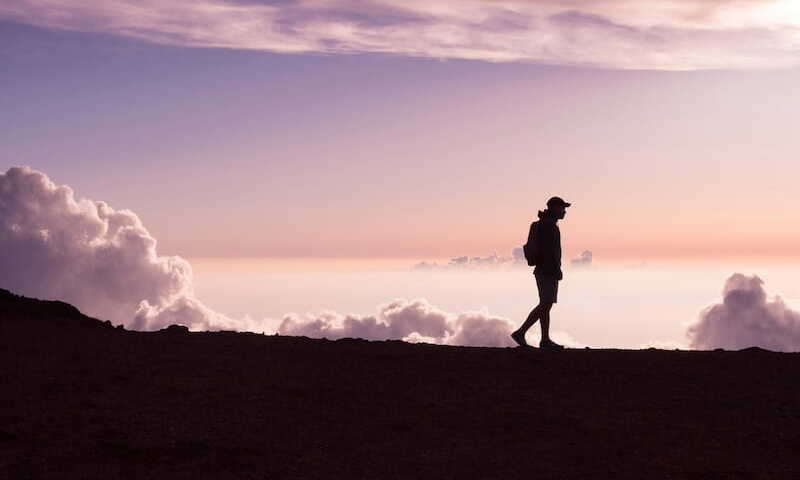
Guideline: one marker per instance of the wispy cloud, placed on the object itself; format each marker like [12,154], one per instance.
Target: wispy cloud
[623,34]
[480,263]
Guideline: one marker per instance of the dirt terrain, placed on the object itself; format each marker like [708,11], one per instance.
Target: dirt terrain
[85,400]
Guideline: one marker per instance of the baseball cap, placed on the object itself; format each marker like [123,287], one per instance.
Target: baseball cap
[557,202]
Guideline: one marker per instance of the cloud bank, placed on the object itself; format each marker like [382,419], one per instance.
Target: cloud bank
[467,262]
[84,252]
[415,321]
[620,34]
[746,318]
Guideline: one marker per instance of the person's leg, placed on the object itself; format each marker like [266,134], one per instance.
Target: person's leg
[544,316]
[519,334]
[532,317]
[550,295]
[545,287]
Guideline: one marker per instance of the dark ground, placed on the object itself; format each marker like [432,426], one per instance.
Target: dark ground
[82,399]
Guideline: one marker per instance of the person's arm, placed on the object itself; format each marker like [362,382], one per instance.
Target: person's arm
[557,247]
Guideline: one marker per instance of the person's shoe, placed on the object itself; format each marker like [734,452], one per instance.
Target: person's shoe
[550,345]
[519,337]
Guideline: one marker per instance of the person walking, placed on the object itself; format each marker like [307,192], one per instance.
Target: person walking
[544,238]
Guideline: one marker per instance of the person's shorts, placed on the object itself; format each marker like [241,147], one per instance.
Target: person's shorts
[548,288]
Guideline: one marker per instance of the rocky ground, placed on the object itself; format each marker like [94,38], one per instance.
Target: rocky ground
[82,399]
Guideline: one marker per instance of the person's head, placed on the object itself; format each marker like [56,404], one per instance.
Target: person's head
[557,207]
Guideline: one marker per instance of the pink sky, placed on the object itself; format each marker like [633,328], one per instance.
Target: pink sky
[334,138]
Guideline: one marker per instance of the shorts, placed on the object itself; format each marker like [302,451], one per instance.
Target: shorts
[548,288]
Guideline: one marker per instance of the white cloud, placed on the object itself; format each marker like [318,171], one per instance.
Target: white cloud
[746,318]
[84,252]
[414,321]
[625,34]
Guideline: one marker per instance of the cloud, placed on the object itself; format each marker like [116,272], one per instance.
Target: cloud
[466,262]
[86,253]
[400,319]
[745,318]
[622,34]
[585,260]
[494,261]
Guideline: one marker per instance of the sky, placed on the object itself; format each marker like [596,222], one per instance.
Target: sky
[351,150]
[375,132]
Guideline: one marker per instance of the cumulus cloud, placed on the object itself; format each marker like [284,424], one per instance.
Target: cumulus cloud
[625,34]
[746,318]
[86,253]
[414,321]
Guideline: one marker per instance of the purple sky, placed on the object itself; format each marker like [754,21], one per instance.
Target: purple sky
[363,151]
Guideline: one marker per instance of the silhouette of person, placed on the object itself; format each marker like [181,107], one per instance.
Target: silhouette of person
[545,236]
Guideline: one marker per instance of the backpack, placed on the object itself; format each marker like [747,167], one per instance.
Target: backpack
[529,249]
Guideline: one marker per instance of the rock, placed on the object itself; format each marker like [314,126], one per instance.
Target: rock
[754,349]
[176,329]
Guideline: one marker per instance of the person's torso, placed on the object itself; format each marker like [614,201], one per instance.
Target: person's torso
[548,242]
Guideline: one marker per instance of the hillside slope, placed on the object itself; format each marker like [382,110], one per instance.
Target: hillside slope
[82,399]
